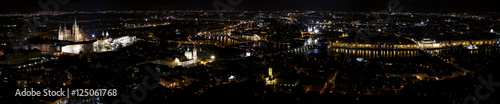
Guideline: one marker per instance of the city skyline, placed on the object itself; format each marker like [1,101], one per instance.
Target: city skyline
[443,6]
[242,51]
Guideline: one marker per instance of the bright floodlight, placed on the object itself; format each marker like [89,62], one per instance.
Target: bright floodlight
[248,54]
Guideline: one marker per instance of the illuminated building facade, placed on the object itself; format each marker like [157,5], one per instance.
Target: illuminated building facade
[192,55]
[102,45]
[76,34]
[174,62]
[428,43]
[110,44]
[270,80]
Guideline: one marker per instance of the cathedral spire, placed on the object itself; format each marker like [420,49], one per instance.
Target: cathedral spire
[65,32]
[60,28]
[77,35]
[75,25]
[60,35]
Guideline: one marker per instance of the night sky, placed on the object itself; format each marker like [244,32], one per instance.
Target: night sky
[326,5]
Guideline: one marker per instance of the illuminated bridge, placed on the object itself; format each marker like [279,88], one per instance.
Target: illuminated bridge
[424,44]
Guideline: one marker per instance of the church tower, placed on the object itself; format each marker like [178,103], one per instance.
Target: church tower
[67,33]
[60,35]
[76,33]
[195,54]
[188,54]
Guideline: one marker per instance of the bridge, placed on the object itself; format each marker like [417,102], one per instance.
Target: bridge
[424,44]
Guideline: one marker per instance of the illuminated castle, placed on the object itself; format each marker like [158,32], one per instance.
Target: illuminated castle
[76,34]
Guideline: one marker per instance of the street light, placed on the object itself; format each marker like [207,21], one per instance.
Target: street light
[212,57]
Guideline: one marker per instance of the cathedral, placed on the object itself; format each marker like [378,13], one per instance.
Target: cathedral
[192,55]
[76,34]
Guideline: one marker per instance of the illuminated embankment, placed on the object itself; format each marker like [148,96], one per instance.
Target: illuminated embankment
[418,45]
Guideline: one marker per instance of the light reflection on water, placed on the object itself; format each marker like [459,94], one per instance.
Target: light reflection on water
[449,52]
[313,51]
[480,51]
[371,54]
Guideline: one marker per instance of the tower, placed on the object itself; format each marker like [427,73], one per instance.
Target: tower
[248,53]
[390,8]
[107,34]
[76,33]
[60,35]
[195,55]
[66,33]
[188,54]
[270,71]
